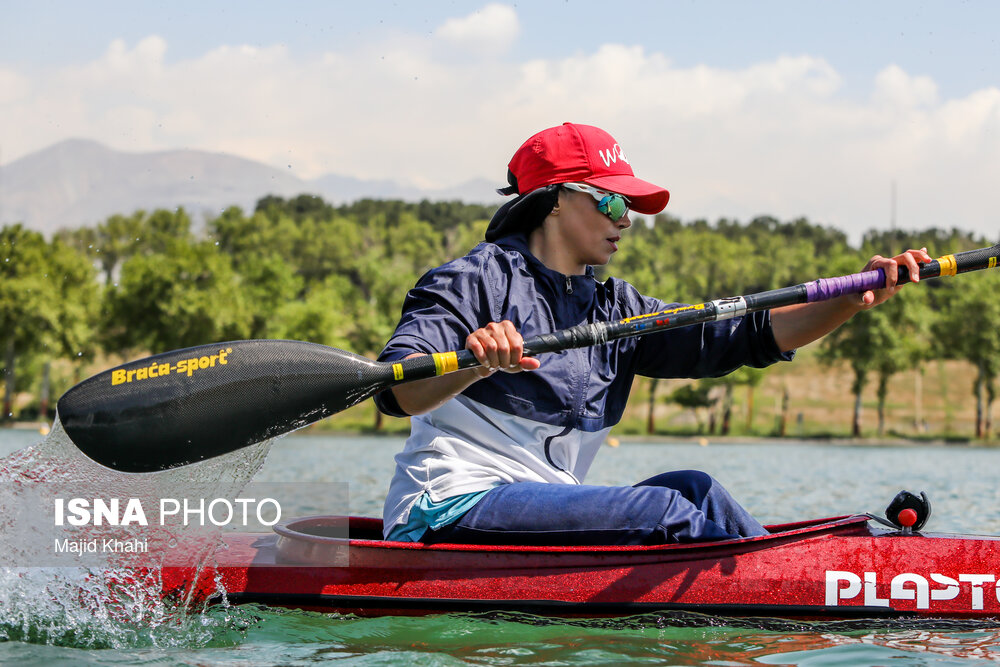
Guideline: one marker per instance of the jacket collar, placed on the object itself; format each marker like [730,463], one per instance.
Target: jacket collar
[519,243]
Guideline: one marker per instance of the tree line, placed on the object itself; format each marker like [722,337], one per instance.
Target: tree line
[304,269]
[943,320]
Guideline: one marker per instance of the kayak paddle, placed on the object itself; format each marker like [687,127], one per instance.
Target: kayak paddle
[184,406]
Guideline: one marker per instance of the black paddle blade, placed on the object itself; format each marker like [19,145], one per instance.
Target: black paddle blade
[188,405]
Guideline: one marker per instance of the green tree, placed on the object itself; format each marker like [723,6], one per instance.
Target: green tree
[247,239]
[26,308]
[854,342]
[262,251]
[464,237]
[694,396]
[906,319]
[447,215]
[78,299]
[185,295]
[967,329]
[109,243]
[937,241]
[324,315]
[745,376]
[883,341]
[751,378]
[118,238]
[393,258]
[47,302]
[268,286]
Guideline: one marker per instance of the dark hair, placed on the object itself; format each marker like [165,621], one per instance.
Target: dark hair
[510,189]
[524,213]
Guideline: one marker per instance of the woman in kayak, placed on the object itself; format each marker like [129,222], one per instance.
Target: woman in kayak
[498,453]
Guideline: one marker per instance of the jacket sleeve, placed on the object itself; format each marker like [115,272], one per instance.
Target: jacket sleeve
[445,306]
[711,349]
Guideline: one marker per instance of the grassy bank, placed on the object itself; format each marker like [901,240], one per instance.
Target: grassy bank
[931,403]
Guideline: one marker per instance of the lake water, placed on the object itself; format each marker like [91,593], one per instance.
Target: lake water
[778,482]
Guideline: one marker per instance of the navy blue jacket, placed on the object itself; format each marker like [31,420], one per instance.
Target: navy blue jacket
[584,388]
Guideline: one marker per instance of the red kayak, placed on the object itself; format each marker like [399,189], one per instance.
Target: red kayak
[836,568]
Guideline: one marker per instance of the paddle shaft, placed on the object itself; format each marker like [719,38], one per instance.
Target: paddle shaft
[720,309]
[185,406]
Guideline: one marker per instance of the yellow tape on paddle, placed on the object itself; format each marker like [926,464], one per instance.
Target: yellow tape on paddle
[445,362]
[397,371]
[949,267]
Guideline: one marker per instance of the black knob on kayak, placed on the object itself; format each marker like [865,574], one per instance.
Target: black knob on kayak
[908,505]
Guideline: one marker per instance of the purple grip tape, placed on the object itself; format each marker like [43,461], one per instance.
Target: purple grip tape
[831,288]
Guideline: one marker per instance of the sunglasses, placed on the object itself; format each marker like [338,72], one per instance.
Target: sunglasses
[611,204]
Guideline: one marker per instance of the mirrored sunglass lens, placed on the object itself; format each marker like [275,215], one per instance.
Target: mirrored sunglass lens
[613,206]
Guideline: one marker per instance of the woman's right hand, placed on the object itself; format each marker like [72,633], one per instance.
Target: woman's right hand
[499,346]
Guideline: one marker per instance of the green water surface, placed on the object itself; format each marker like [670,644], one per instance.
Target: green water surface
[778,482]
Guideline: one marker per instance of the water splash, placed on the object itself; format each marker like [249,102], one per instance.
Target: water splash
[109,606]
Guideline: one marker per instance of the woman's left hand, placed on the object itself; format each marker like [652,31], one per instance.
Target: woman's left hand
[911,259]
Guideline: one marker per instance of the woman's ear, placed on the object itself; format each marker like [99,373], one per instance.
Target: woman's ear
[555,209]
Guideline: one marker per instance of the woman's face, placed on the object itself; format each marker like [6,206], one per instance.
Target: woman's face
[587,235]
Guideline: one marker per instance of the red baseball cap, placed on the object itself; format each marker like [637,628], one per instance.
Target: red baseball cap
[572,153]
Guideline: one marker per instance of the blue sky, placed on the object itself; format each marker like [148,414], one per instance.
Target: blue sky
[956,43]
[740,108]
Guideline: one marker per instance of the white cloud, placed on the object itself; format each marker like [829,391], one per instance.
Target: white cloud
[146,56]
[491,29]
[895,87]
[777,137]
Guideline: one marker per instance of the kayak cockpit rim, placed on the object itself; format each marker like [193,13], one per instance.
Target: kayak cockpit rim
[366,532]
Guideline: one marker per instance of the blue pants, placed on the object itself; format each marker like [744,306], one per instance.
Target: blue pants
[682,506]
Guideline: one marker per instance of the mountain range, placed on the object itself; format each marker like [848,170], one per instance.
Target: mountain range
[79,182]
